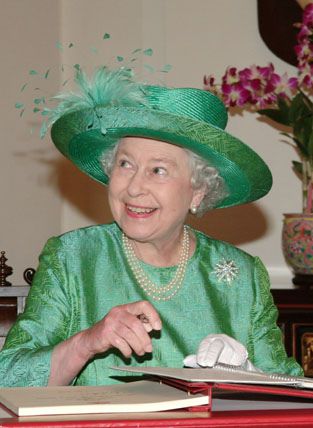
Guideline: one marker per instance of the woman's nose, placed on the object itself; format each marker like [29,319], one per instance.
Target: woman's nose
[137,184]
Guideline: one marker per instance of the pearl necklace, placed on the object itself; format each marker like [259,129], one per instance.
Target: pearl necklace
[164,292]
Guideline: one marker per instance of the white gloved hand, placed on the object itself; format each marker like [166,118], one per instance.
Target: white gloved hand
[218,348]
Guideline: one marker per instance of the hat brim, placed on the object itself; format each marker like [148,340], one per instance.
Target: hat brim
[84,136]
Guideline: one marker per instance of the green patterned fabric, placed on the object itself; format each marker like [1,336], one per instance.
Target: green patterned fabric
[84,273]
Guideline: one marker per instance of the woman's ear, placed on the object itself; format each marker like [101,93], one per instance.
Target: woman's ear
[198,195]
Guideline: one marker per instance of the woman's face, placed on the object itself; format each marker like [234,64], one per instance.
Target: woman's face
[150,191]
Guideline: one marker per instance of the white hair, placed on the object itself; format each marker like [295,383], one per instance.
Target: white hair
[203,176]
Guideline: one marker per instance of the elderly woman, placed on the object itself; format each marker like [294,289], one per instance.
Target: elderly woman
[147,290]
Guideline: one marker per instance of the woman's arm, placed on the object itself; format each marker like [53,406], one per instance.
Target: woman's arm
[46,346]
[121,328]
[265,345]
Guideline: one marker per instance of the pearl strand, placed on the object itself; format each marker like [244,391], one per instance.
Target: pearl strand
[165,292]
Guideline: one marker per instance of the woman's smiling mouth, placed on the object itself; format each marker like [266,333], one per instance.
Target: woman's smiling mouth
[135,211]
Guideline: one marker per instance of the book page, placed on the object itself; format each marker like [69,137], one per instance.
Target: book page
[141,396]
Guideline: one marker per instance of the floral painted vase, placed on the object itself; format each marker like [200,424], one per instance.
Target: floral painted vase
[297,242]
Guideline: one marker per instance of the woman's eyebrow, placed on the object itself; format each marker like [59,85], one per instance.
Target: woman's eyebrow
[161,159]
[164,160]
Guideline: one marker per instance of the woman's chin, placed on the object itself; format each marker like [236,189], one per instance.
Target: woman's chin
[138,234]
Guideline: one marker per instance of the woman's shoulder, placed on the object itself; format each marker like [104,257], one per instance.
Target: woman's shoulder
[218,248]
[85,237]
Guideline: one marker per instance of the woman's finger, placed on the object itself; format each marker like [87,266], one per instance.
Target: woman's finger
[146,312]
[119,343]
[134,333]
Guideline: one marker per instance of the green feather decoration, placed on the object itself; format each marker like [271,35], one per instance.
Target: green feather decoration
[105,88]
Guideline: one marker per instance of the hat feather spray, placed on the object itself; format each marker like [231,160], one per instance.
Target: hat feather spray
[105,88]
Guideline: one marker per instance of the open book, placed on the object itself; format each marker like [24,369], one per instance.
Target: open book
[222,373]
[229,379]
[169,388]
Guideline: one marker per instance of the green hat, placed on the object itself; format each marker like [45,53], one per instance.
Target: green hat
[113,105]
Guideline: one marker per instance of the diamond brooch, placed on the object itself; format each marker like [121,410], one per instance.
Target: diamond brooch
[226,271]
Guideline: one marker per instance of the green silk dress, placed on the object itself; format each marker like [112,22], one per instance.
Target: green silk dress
[84,273]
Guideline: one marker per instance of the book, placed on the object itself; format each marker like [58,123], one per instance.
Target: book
[222,373]
[137,396]
[229,379]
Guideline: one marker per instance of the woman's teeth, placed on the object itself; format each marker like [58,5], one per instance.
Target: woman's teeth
[138,210]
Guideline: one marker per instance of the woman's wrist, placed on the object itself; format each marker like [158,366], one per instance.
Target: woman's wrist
[82,347]
[68,358]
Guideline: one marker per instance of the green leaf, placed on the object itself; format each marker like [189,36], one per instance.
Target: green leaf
[301,147]
[306,99]
[19,105]
[136,51]
[285,134]
[276,115]
[47,73]
[302,130]
[283,106]
[23,87]
[298,108]
[70,45]
[106,36]
[298,167]
[33,72]
[36,109]
[120,58]
[77,67]
[310,143]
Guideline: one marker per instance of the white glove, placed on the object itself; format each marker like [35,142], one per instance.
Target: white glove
[219,348]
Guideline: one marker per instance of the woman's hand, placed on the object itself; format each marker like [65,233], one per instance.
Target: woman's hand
[218,348]
[126,328]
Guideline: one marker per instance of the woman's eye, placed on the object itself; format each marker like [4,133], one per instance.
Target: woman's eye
[158,170]
[124,163]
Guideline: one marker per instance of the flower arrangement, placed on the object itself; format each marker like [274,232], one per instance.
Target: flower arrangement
[285,100]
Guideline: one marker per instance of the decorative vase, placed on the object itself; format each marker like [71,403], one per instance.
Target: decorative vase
[297,243]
